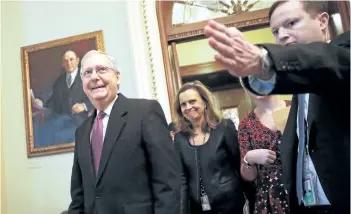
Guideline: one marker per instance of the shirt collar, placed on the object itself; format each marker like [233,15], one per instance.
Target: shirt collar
[73,74]
[108,109]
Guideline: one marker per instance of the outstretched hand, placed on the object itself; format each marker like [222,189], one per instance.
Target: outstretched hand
[234,52]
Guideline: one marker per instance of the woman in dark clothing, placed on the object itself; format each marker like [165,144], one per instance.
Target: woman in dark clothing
[209,152]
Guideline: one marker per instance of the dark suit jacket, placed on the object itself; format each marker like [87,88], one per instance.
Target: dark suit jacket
[138,173]
[63,98]
[323,70]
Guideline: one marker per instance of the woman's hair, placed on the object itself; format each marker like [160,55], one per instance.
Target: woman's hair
[212,111]
[246,105]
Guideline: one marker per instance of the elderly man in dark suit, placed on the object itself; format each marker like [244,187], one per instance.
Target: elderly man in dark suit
[123,159]
[315,149]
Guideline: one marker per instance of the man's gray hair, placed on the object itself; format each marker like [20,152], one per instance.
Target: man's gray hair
[110,60]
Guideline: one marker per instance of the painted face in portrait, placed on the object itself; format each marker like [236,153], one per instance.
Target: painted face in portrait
[100,80]
[70,61]
[192,105]
[291,24]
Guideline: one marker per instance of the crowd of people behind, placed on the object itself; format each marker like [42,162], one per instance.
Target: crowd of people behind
[125,161]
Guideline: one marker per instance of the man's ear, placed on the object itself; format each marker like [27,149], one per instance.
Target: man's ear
[118,75]
[324,20]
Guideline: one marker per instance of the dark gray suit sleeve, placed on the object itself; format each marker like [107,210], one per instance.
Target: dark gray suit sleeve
[77,193]
[165,168]
[184,194]
[318,67]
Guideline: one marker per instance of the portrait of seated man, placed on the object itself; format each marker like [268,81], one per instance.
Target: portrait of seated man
[56,119]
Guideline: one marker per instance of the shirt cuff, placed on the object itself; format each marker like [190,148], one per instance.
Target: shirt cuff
[263,87]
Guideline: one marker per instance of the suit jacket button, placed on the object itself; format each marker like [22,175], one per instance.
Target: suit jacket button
[97,197]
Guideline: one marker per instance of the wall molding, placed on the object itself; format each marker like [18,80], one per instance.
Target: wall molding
[149,49]
[2,153]
[147,53]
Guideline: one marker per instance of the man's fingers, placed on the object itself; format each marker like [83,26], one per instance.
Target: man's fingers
[233,32]
[241,42]
[234,67]
[241,62]
[239,50]
[227,46]
[219,36]
[228,63]
[222,49]
[208,31]
[217,26]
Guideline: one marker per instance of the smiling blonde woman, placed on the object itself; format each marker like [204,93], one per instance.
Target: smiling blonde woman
[209,152]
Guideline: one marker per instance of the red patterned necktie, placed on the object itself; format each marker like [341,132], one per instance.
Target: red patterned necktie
[97,140]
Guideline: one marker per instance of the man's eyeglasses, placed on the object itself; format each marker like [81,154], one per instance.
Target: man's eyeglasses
[100,70]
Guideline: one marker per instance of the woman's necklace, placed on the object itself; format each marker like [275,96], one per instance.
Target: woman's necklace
[204,140]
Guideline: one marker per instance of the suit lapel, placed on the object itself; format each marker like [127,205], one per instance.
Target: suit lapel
[86,145]
[115,125]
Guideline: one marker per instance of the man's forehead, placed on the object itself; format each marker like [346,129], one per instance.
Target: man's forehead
[96,60]
[285,11]
[69,54]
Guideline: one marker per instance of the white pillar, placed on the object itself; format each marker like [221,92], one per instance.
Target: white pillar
[147,52]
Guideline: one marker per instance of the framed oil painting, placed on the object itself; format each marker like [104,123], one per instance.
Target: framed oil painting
[54,100]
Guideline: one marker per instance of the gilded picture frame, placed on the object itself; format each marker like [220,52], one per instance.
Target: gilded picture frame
[50,123]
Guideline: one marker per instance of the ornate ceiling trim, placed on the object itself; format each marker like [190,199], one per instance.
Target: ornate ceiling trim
[244,20]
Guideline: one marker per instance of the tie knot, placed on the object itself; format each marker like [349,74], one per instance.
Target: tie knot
[101,115]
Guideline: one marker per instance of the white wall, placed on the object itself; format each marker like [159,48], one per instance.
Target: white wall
[1,141]
[41,185]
